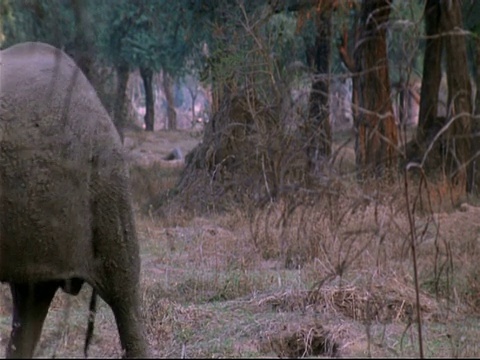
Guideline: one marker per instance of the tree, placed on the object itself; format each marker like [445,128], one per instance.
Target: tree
[171,113]
[471,11]
[193,90]
[39,20]
[318,132]
[148,35]
[405,61]
[445,142]
[83,44]
[473,185]
[248,151]
[83,48]
[5,17]
[315,17]
[376,131]
[459,95]
[428,122]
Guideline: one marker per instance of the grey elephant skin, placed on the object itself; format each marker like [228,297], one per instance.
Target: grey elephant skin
[65,210]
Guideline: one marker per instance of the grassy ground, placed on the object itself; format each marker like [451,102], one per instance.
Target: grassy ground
[336,279]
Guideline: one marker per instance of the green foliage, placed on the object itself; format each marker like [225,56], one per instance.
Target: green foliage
[248,44]
[141,33]
[150,34]
[471,22]
[37,20]
[5,17]
[471,16]
[287,45]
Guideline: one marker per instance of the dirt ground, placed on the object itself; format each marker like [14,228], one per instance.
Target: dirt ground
[146,148]
[213,285]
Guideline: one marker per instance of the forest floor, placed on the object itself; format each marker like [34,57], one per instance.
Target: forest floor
[216,286]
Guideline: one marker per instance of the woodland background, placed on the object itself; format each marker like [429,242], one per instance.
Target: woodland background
[304,172]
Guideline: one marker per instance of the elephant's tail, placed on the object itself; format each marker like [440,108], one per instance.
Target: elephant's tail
[92,310]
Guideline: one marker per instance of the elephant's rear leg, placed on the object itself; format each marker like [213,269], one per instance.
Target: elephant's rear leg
[126,310]
[30,306]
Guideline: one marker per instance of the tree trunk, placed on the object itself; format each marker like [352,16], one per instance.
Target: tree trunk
[428,124]
[346,49]
[119,109]
[318,133]
[83,52]
[402,105]
[147,77]
[459,95]
[474,170]
[171,113]
[377,134]
[193,95]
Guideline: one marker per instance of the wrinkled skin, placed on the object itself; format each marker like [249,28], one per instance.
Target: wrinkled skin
[65,210]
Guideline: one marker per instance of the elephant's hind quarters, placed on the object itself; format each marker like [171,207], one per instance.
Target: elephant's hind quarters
[62,209]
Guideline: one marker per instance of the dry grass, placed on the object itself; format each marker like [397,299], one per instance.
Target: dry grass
[321,275]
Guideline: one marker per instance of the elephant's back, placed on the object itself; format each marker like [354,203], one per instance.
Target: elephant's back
[43,92]
[53,128]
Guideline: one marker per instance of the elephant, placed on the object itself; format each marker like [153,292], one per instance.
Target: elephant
[66,216]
